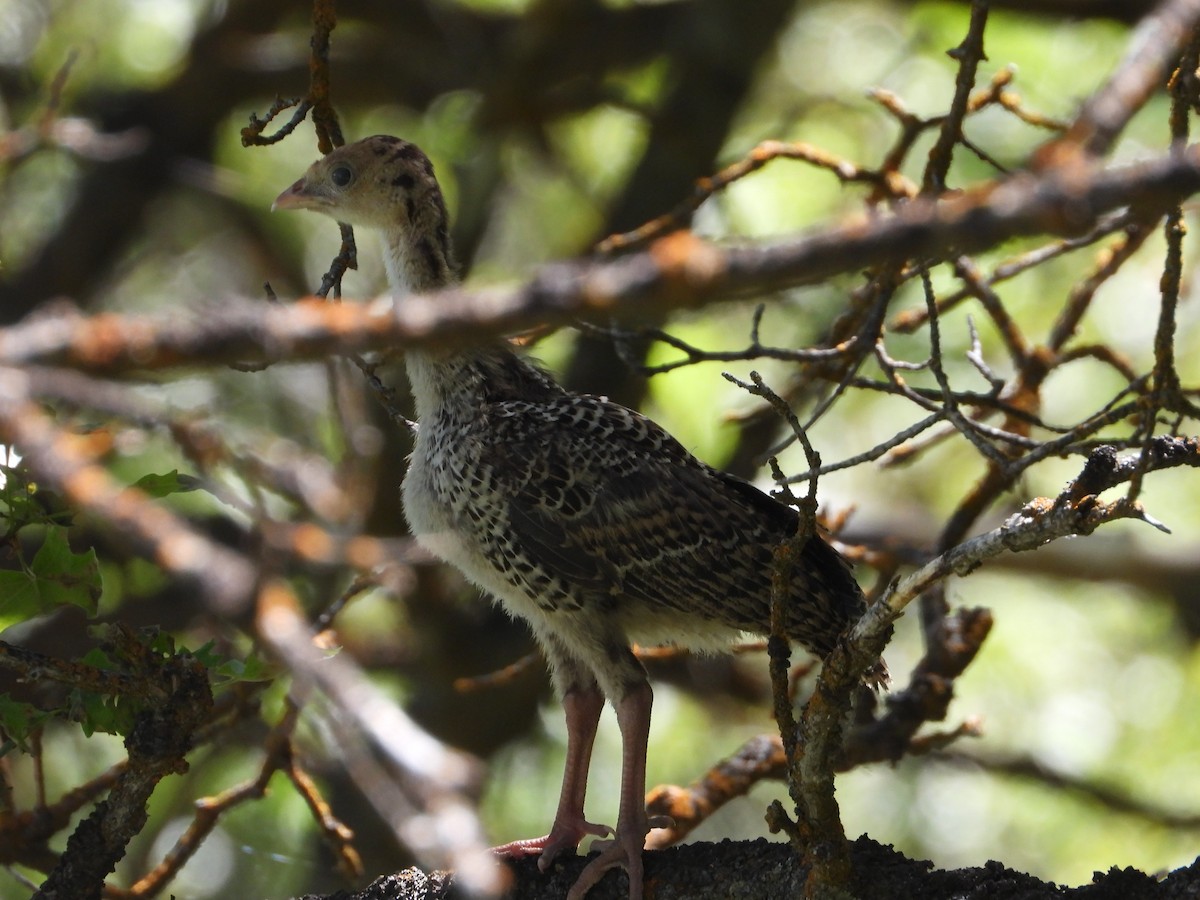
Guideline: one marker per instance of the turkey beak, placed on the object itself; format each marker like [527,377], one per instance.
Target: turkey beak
[300,195]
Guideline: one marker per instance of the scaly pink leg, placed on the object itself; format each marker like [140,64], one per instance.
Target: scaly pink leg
[582,706]
[625,850]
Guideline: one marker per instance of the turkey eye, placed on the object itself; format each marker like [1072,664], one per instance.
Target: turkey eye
[341,176]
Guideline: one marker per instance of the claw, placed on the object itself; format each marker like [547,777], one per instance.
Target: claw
[653,822]
[563,836]
[621,852]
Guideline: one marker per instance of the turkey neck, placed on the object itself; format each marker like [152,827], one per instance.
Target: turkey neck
[419,260]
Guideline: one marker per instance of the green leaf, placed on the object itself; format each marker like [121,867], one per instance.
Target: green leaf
[255,668]
[225,670]
[96,712]
[98,658]
[65,577]
[56,577]
[19,600]
[161,642]
[170,483]
[237,670]
[18,720]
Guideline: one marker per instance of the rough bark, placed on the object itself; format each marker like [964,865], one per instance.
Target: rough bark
[766,870]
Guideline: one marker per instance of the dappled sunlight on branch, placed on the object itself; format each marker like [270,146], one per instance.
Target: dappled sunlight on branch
[966,331]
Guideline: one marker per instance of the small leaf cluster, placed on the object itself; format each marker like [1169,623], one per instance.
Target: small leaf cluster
[55,575]
[111,683]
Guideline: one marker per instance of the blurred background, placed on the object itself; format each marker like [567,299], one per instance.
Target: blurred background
[124,186]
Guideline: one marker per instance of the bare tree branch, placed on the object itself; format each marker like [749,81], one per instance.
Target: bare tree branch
[678,271]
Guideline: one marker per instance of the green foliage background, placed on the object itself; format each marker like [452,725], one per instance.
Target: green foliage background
[1095,680]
